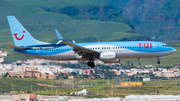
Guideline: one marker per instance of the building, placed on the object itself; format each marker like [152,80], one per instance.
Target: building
[132,83]
[92,77]
[24,97]
[88,71]
[27,74]
[146,79]
[82,92]
[51,98]
[45,75]
[32,74]
[3,53]
[169,75]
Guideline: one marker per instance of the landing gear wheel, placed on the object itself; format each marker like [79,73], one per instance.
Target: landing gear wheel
[91,63]
[158,62]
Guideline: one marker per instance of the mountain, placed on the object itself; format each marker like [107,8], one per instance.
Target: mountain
[158,19]
[93,20]
[79,20]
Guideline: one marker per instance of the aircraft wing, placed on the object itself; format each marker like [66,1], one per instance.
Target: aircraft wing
[82,51]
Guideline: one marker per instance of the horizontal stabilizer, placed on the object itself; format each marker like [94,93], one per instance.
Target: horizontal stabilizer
[14,47]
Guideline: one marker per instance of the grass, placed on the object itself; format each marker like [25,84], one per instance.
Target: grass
[41,18]
[42,23]
[101,89]
[98,82]
[24,84]
[165,87]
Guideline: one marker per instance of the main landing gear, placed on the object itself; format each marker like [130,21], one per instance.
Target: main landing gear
[91,63]
[158,62]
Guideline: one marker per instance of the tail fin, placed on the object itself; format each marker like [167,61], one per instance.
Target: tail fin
[20,35]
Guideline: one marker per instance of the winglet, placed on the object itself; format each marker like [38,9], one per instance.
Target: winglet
[14,47]
[73,41]
[58,35]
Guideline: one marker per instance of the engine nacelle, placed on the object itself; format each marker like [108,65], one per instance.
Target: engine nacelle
[107,56]
[111,61]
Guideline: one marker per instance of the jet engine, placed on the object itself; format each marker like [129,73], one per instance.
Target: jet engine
[107,56]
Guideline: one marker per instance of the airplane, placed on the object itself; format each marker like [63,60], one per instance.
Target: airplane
[108,52]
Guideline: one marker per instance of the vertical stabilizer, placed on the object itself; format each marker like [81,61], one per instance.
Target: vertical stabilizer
[20,35]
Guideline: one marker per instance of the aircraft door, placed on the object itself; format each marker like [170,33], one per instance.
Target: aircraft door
[37,50]
[155,47]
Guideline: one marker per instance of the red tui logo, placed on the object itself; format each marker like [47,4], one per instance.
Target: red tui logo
[145,46]
[15,34]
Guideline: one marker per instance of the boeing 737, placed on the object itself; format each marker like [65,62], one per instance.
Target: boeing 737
[108,52]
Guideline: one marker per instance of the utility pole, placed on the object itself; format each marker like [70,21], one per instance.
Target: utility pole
[12,88]
[156,90]
[52,86]
[73,84]
[108,81]
[111,90]
[31,87]
[56,92]
[80,82]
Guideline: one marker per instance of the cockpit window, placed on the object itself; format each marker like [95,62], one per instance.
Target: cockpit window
[165,45]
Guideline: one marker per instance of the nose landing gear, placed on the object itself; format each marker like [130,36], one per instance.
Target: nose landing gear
[158,62]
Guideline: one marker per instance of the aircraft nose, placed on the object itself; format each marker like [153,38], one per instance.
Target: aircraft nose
[173,50]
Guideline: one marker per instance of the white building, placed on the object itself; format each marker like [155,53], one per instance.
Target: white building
[82,92]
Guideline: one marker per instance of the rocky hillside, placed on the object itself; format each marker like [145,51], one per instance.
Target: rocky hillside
[159,19]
